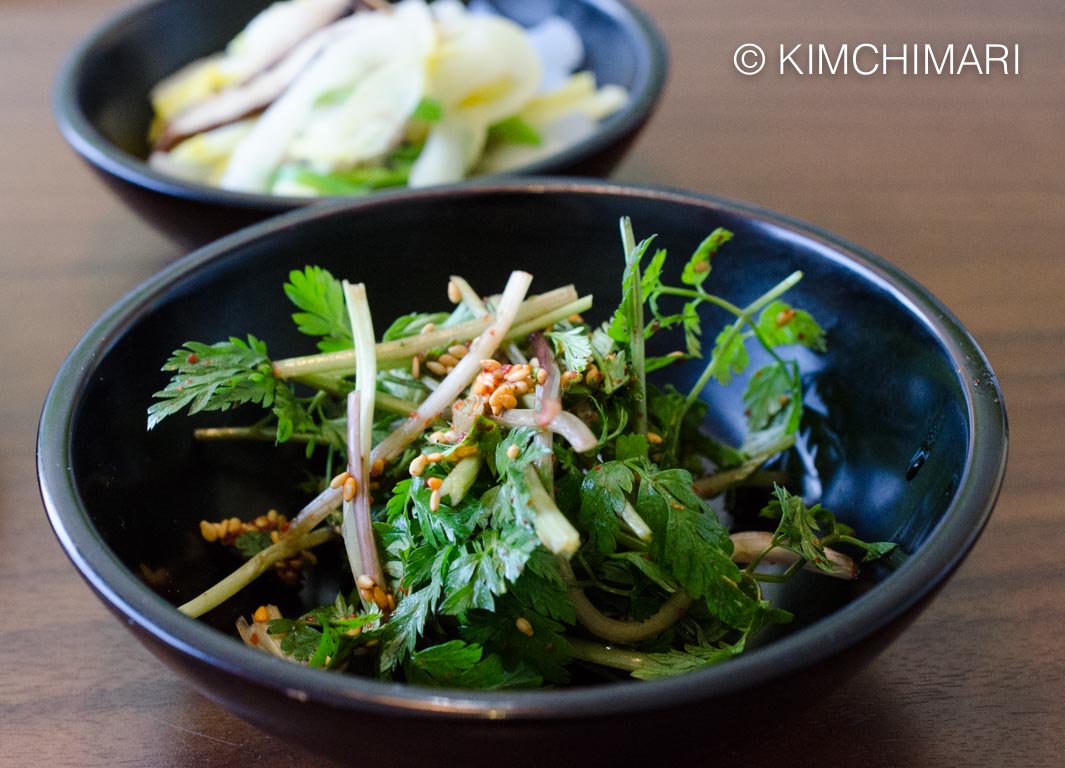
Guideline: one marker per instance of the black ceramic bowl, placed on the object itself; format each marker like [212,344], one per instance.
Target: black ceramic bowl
[915,411]
[101,100]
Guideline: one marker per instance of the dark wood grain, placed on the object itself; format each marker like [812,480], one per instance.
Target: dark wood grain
[957,180]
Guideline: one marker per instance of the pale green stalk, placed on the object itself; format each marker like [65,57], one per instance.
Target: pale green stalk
[398,353]
[636,340]
[552,527]
[461,478]
[252,569]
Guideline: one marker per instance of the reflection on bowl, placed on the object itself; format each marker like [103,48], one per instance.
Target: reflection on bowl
[102,100]
[916,421]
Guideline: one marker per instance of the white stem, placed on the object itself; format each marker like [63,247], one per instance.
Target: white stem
[635,522]
[356,525]
[460,377]
[747,545]
[565,424]
[552,527]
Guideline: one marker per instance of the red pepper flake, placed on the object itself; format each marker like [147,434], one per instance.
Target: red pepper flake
[192,359]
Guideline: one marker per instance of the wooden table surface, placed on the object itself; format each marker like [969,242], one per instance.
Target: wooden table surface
[959,180]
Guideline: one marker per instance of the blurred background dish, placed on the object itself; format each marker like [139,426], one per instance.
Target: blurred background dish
[103,107]
[905,391]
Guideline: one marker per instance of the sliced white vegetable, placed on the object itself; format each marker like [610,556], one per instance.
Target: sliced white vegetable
[265,39]
[369,122]
[578,94]
[483,67]
[191,84]
[275,31]
[554,137]
[560,49]
[371,40]
[238,100]
[452,147]
[202,157]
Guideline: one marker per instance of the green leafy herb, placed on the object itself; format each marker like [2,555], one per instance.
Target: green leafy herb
[509,551]
[215,377]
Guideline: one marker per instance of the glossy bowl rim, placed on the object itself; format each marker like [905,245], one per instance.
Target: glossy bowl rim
[102,154]
[919,577]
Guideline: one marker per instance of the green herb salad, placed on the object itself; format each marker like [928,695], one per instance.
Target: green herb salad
[513,498]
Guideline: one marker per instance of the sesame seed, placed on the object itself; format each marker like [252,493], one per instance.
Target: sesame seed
[512,452]
[365,581]
[524,626]
[351,487]
[208,531]
[417,466]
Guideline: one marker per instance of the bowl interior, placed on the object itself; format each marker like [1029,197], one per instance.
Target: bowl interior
[903,445]
[102,97]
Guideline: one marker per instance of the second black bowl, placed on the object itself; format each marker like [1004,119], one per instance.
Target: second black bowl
[102,107]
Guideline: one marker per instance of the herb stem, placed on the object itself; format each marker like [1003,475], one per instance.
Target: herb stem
[252,569]
[461,478]
[605,655]
[712,485]
[356,525]
[398,352]
[709,298]
[635,522]
[745,316]
[538,323]
[756,547]
[552,527]
[636,329]
[484,346]
[616,630]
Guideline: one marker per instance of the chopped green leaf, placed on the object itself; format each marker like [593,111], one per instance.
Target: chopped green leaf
[430,110]
[514,130]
